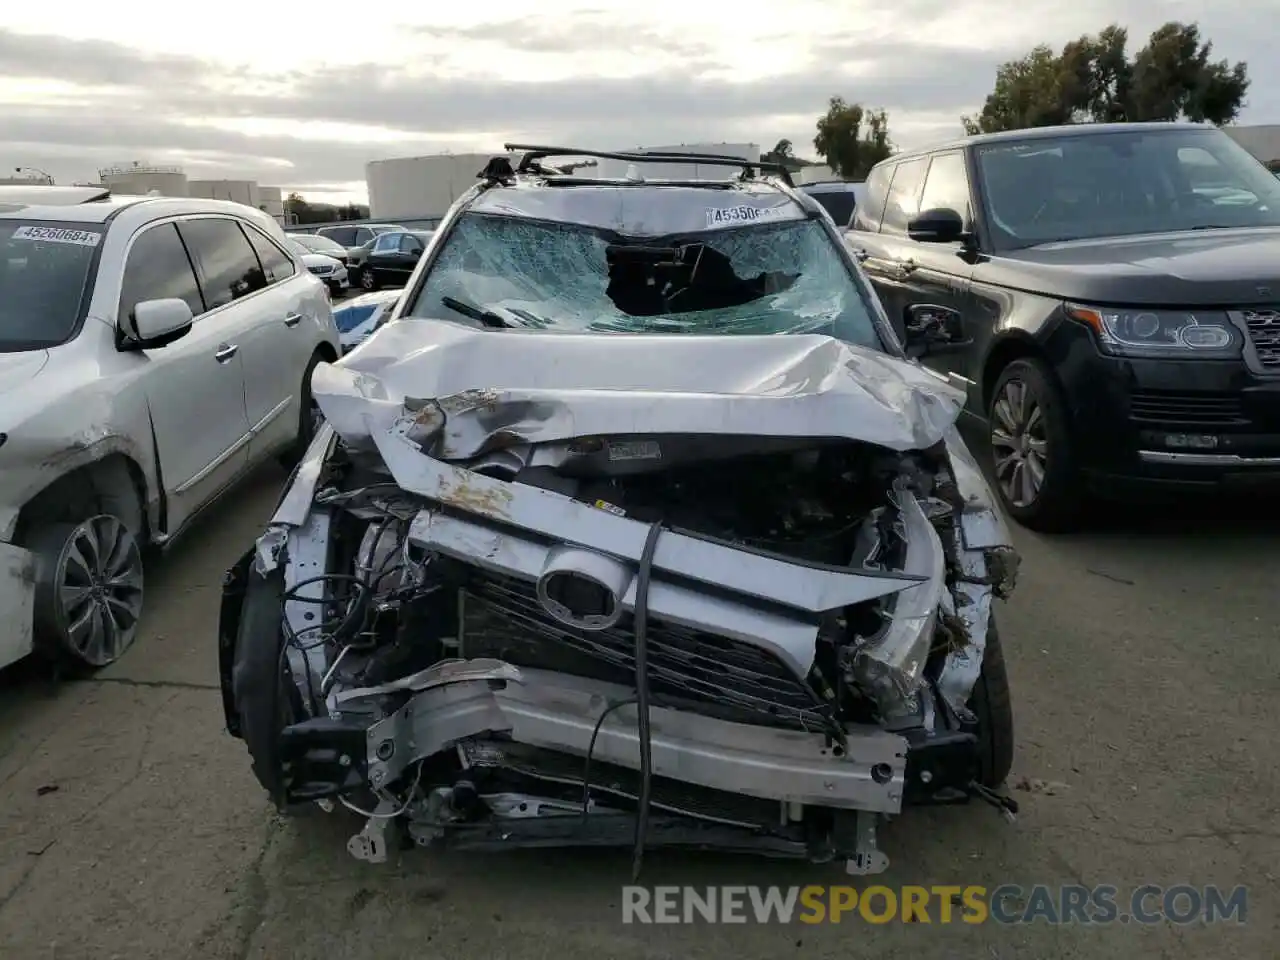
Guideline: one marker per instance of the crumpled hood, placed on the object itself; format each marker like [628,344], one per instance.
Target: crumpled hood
[16,369]
[501,388]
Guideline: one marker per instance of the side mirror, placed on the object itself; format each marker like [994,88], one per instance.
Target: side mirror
[156,323]
[932,329]
[940,225]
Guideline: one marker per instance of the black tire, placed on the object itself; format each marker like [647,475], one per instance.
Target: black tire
[992,705]
[1057,505]
[308,415]
[266,699]
[368,280]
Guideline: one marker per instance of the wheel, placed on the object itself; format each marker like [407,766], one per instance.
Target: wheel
[367,280]
[89,589]
[1031,448]
[309,417]
[991,704]
[266,698]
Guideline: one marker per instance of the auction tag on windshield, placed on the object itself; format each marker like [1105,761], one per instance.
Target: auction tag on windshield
[737,216]
[634,450]
[83,238]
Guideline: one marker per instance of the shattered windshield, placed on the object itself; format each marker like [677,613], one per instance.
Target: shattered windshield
[778,277]
[44,274]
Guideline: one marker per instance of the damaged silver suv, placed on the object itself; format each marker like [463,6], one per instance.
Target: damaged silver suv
[632,526]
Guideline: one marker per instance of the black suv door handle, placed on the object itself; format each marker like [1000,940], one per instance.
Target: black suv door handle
[293,319]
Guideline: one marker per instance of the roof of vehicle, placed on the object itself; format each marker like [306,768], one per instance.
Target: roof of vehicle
[661,205]
[1046,133]
[97,205]
[832,186]
[356,226]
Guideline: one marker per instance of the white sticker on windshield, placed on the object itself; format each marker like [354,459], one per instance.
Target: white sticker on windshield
[83,238]
[736,216]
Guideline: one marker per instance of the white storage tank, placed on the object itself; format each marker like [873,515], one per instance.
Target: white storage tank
[406,188]
[237,191]
[140,179]
[1262,140]
[271,200]
[610,169]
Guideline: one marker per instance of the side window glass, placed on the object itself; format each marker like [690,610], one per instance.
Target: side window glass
[904,194]
[275,264]
[947,185]
[340,235]
[363,236]
[387,243]
[866,215]
[227,265]
[158,268]
[409,243]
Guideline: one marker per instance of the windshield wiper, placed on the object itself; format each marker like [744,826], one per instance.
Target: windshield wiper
[490,318]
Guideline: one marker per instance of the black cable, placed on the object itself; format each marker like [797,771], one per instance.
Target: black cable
[642,694]
[591,747]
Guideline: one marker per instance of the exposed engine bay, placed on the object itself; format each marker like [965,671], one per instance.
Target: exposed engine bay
[717,639]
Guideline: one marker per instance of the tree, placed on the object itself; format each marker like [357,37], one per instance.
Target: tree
[1094,80]
[845,145]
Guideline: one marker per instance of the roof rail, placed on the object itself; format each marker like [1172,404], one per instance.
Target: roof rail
[533,153]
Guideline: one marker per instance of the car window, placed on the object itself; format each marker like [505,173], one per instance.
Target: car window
[275,264]
[840,204]
[409,243]
[1120,183]
[346,236]
[227,266]
[387,243]
[947,185]
[867,215]
[158,268]
[363,236]
[45,275]
[904,195]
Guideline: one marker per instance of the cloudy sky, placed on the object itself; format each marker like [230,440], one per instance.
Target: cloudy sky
[303,95]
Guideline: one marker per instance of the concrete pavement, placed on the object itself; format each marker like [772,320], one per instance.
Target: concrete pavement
[1145,667]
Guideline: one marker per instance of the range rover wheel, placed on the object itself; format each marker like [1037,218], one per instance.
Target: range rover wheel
[89,589]
[367,280]
[1031,448]
[991,703]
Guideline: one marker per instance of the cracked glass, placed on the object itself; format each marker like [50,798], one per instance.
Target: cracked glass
[782,277]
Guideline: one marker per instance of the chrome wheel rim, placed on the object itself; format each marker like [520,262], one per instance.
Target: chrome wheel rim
[1019,445]
[366,279]
[99,590]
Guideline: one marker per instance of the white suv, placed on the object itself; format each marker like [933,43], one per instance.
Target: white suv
[152,351]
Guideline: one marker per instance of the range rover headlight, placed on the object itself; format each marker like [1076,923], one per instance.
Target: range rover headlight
[1137,332]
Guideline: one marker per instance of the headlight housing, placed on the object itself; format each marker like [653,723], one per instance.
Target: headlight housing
[1171,334]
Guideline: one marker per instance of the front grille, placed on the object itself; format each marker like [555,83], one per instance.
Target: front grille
[1263,324]
[1174,408]
[321,271]
[503,618]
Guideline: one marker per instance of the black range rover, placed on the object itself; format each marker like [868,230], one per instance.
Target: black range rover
[1108,294]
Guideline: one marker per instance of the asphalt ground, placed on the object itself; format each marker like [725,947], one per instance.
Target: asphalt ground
[1145,673]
